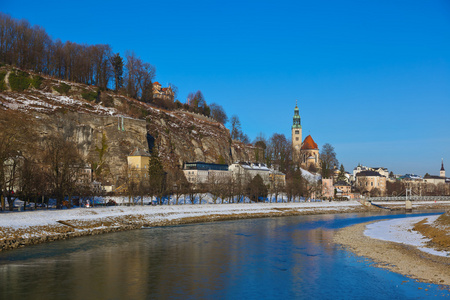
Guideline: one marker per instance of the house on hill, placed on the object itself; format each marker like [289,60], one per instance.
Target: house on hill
[165,93]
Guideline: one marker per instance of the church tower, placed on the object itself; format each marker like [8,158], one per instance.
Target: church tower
[296,135]
[442,173]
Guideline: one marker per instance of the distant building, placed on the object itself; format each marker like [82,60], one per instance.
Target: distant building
[201,172]
[327,188]
[344,188]
[366,181]
[380,170]
[437,179]
[138,162]
[246,171]
[165,93]
[306,152]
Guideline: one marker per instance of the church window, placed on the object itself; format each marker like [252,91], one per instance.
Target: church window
[296,138]
[297,132]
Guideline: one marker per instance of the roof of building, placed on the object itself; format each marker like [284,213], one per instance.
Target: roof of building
[368,173]
[432,177]
[156,83]
[442,166]
[309,143]
[253,166]
[139,152]
[341,183]
[199,165]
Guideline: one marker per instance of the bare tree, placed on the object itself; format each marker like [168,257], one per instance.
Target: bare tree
[218,113]
[328,160]
[63,162]
[16,137]
[279,153]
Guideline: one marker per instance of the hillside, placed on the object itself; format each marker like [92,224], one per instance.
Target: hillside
[85,113]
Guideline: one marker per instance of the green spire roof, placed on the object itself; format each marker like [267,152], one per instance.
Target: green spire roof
[297,121]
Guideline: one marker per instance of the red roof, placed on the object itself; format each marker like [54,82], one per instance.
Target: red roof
[156,83]
[309,144]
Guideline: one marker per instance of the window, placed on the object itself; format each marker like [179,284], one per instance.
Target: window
[297,132]
[371,183]
[296,138]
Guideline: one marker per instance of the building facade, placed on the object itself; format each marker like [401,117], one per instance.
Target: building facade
[305,153]
[367,181]
[165,93]
[201,172]
[138,162]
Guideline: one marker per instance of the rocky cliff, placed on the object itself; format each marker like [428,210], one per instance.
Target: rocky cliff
[85,114]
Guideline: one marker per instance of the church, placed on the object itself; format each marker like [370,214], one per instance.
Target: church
[306,152]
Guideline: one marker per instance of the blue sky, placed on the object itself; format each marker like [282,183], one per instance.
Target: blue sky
[372,77]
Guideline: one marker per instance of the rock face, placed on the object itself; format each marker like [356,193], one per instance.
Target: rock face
[179,136]
[126,124]
[87,131]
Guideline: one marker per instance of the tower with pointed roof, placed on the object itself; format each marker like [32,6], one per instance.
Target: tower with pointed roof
[296,134]
[442,173]
[305,153]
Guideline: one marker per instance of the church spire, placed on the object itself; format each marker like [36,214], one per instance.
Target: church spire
[442,173]
[296,121]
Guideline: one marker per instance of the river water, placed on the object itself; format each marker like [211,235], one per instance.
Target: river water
[271,258]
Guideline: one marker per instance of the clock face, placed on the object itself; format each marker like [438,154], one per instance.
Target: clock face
[297,147]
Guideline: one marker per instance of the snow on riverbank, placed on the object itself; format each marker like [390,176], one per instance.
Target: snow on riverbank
[400,231]
[160,213]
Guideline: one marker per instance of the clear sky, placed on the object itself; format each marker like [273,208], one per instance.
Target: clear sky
[372,77]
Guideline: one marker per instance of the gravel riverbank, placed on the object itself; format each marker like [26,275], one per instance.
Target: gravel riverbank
[397,257]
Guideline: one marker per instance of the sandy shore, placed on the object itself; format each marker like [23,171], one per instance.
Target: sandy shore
[399,258]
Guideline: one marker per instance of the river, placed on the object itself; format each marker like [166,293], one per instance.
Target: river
[269,258]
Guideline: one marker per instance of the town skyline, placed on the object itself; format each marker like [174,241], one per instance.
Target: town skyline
[370,79]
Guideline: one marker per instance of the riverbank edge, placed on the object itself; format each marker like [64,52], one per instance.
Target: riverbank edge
[399,258]
[66,231]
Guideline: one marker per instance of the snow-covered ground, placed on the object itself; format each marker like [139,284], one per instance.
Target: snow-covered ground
[28,219]
[400,231]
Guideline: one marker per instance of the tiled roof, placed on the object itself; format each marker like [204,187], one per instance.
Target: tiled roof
[368,173]
[156,83]
[139,152]
[341,183]
[309,143]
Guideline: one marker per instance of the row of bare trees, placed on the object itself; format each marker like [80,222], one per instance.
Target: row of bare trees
[174,187]
[31,48]
[32,170]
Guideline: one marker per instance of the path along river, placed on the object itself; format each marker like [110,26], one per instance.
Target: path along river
[270,258]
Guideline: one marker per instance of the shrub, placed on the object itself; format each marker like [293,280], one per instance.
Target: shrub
[108,101]
[2,81]
[90,96]
[62,88]
[19,80]
[36,82]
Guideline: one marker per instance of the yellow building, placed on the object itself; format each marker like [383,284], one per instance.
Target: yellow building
[138,162]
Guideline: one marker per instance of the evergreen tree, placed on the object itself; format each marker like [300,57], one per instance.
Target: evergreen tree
[117,64]
[157,176]
[341,176]
[256,190]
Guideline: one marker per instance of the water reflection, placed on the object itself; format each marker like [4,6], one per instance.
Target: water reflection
[291,257]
